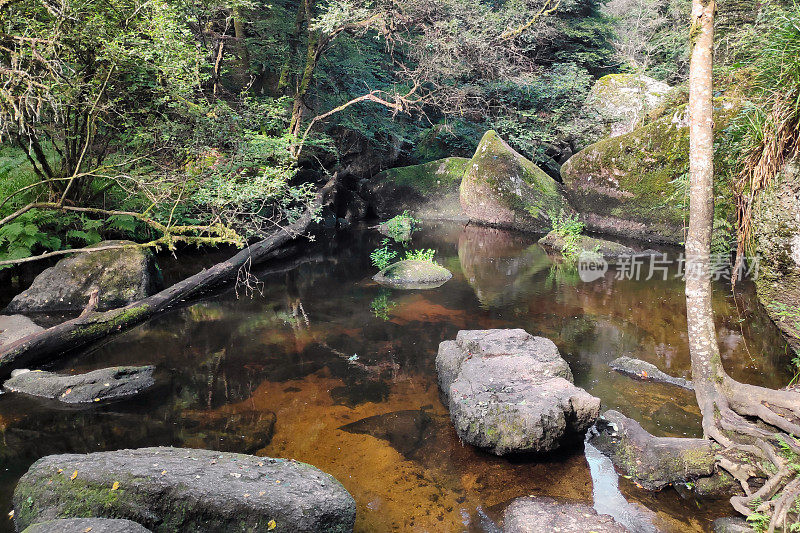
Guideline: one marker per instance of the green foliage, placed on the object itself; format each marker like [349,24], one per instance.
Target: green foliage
[383,256]
[401,227]
[421,255]
[570,229]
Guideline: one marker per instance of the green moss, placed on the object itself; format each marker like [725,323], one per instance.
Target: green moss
[428,177]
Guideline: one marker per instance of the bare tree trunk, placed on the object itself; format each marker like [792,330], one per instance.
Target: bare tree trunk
[706,362]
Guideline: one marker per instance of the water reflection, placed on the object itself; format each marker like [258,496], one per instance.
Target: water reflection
[310,370]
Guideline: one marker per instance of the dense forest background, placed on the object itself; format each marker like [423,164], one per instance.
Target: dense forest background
[171,121]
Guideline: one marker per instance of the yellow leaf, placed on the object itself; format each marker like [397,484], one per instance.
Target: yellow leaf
[11,514]
[163,472]
[87,530]
[74,475]
[115,486]
[271,525]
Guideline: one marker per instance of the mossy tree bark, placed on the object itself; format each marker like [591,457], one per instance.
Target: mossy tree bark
[754,425]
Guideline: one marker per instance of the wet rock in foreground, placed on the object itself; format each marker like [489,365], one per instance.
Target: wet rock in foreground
[732,525]
[174,489]
[413,274]
[652,462]
[545,515]
[114,383]
[510,392]
[638,369]
[84,525]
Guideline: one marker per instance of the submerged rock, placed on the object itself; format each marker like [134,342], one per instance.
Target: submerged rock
[172,489]
[638,369]
[121,275]
[413,274]
[608,249]
[627,185]
[652,462]
[776,227]
[106,384]
[623,100]
[16,327]
[427,191]
[503,189]
[510,392]
[545,515]
[84,525]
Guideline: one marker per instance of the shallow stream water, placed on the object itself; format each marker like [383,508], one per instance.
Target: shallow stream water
[320,364]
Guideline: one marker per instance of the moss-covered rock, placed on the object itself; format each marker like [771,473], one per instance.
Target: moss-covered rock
[427,191]
[609,250]
[629,185]
[776,224]
[623,100]
[173,489]
[121,275]
[503,189]
[653,462]
[84,525]
[413,274]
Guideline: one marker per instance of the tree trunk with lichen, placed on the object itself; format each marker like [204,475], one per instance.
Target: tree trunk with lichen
[753,425]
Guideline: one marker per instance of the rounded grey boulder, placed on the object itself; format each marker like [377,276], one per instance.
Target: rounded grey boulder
[175,489]
[16,327]
[413,274]
[121,275]
[510,392]
[83,525]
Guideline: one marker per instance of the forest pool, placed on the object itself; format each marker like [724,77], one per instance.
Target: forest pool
[318,363]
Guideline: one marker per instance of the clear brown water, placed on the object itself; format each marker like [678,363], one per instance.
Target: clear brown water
[229,367]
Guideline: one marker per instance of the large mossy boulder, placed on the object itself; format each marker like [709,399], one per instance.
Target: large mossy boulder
[630,186]
[510,392]
[413,274]
[776,227]
[121,275]
[609,250]
[427,191]
[546,515]
[652,462]
[174,489]
[106,384]
[503,189]
[624,100]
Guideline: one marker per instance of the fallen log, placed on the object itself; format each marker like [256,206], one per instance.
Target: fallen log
[90,327]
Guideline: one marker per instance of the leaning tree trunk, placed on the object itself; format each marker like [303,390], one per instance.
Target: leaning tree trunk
[90,327]
[754,425]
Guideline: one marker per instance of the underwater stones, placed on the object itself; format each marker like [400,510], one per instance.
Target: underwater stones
[427,191]
[15,327]
[510,392]
[503,189]
[121,276]
[623,100]
[638,369]
[652,462]
[174,489]
[413,274]
[114,383]
[84,525]
[776,228]
[545,515]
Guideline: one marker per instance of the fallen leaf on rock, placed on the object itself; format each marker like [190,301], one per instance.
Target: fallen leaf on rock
[271,525]
[66,392]
[74,475]
[87,530]
[163,472]
[115,486]
[11,514]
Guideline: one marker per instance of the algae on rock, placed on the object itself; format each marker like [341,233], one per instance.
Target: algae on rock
[503,189]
